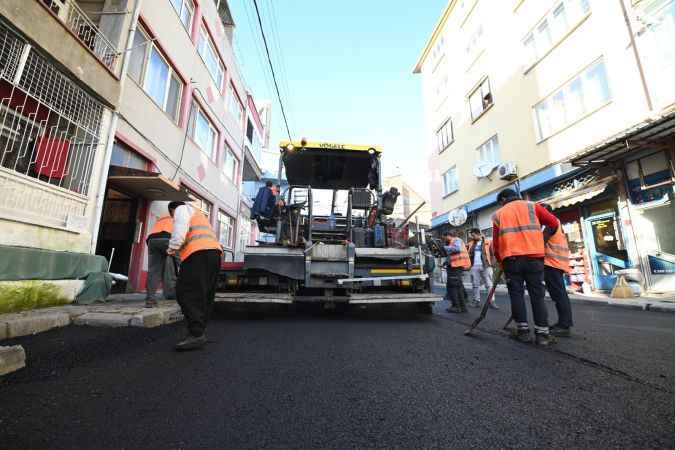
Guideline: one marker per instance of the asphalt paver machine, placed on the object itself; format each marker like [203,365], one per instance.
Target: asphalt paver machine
[334,242]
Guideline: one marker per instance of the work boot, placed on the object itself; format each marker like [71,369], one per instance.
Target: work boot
[455,310]
[191,343]
[474,304]
[543,339]
[521,336]
[560,331]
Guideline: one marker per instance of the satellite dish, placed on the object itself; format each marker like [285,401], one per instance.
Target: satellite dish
[457,217]
[483,169]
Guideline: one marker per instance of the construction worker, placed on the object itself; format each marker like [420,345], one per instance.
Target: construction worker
[556,265]
[458,262]
[480,255]
[160,265]
[518,245]
[197,246]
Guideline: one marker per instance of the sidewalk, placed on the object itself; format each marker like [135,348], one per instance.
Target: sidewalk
[122,310]
[665,304]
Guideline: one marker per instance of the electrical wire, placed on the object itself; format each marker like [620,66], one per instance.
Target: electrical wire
[274,77]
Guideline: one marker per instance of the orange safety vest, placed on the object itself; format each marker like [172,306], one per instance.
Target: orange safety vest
[460,259]
[519,230]
[557,252]
[200,236]
[163,224]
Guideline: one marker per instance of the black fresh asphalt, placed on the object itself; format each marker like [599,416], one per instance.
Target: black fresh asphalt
[305,380]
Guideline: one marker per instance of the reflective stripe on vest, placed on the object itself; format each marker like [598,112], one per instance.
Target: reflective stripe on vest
[460,259]
[519,230]
[557,252]
[200,236]
[163,224]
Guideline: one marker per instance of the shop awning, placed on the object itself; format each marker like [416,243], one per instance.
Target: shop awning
[153,187]
[582,193]
[648,134]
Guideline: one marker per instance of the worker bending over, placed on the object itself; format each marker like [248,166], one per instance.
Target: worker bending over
[518,244]
[161,267]
[196,244]
[458,262]
[556,265]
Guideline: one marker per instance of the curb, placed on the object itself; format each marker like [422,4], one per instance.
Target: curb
[638,305]
[12,359]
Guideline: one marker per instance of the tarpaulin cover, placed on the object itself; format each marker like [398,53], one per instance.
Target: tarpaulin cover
[23,263]
[97,286]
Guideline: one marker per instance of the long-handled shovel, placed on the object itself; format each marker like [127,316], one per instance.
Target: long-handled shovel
[486,305]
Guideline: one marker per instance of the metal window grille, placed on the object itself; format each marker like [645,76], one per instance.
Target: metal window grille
[49,126]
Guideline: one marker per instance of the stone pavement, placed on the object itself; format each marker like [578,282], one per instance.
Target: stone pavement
[126,310]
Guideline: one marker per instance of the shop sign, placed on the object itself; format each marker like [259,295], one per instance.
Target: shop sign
[660,266]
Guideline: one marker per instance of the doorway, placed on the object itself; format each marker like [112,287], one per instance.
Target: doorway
[118,230]
[606,249]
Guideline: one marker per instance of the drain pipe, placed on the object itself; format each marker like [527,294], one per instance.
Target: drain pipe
[105,168]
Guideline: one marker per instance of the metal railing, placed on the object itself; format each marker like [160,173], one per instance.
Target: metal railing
[70,13]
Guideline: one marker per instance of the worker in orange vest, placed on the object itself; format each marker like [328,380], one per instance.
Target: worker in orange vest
[197,246]
[518,244]
[458,261]
[557,264]
[161,267]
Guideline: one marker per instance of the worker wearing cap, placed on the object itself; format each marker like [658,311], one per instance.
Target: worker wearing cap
[557,264]
[197,246]
[518,244]
[161,267]
[458,262]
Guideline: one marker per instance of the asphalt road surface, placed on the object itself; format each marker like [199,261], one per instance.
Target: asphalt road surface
[301,379]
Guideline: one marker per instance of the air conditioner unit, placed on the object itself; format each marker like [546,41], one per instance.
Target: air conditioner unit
[507,171]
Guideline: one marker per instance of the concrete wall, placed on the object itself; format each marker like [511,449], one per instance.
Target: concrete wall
[517,87]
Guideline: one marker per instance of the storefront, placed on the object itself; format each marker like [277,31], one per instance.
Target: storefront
[642,158]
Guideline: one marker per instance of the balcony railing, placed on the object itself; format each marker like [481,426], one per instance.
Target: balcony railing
[70,13]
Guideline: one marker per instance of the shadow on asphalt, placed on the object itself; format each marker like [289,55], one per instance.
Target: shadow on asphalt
[404,312]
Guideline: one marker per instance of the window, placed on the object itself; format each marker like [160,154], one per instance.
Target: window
[249,130]
[650,178]
[202,131]
[552,29]
[450,183]
[474,39]
[125,157]
[225,229]
[582,95]
[150,69]
[234,106]
[230,164]
[207,50]
[200,202]
[480,99]
[489,151]
[445,136]
[185,10]
[244,233]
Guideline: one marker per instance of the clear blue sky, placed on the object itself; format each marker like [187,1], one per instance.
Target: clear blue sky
[348,72]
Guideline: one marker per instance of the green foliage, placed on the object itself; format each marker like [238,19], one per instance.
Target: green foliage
[25,295]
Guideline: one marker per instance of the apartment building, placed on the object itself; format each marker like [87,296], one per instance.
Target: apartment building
[187,124]
[111,108]
[57,97]
[567,101]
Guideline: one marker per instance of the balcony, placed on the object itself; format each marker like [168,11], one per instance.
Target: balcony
[84,19]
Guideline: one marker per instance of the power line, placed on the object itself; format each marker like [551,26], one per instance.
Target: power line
[282,61]
[274,77]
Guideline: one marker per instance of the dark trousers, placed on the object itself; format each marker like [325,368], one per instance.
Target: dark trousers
[455,287]
[196,288]
[161,268]
[524,271]
[555,285]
